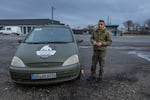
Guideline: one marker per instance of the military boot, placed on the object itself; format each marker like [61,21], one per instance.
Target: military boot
[99,78]
[91,78]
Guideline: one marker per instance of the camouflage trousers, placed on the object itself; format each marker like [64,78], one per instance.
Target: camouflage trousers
[98,57]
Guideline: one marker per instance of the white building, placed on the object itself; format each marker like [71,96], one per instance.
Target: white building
[26,25]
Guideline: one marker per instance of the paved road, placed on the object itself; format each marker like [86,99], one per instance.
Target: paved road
[126,74]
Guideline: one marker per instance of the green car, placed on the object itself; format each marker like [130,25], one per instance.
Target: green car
[49,54]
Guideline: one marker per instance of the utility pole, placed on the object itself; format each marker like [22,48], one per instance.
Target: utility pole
[52,14]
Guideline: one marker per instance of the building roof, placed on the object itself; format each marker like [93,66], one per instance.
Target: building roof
[14,22]
[112,26]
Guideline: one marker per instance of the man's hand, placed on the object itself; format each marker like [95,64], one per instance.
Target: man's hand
[94,43]
[99,44]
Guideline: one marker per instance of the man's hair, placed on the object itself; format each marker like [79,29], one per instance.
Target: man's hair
[102,21]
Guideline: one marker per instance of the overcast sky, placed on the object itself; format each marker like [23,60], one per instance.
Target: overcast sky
[77,12]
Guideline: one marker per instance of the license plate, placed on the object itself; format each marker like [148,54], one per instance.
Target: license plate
[43,76]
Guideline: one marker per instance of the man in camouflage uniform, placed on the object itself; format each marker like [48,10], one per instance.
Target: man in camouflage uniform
[100,39]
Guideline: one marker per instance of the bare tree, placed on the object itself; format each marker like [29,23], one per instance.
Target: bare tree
[147,22]
[128,24]
[136,26]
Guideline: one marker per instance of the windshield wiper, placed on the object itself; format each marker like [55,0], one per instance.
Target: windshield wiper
[60,42]
[31,42]
[46,42]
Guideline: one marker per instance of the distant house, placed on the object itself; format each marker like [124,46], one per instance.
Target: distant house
[82,31]
[27,25]
[78,31]
[113,29]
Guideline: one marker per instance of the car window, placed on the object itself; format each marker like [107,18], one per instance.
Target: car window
[50,35]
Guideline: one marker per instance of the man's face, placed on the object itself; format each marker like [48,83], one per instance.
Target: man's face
[101,25]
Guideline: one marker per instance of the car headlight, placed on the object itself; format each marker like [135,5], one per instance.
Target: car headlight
[71,60]
[16,61]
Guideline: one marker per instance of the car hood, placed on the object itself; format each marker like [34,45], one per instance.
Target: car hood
[35,53]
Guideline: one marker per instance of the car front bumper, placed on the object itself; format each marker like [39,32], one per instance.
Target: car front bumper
[63,73]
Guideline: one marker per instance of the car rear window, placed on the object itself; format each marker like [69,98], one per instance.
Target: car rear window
[49,35]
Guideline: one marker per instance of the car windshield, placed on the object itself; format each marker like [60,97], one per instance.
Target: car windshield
[50,35]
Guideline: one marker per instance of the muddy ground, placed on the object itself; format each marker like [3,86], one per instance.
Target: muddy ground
[126,76]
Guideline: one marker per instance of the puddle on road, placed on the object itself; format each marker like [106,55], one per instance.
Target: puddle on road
[144,55]
[125,47]
[138,51]
[141,52]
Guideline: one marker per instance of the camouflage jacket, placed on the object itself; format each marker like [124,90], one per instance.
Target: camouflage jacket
[102,36]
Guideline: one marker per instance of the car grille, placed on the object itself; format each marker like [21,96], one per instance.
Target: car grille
[37,65]
[27,76]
